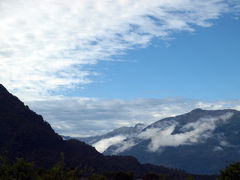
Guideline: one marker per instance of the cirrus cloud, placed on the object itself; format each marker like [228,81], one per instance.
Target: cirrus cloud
[46,45]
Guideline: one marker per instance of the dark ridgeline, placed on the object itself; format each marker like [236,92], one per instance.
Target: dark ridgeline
[24,134]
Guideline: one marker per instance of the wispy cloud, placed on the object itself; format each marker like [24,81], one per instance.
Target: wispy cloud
[86,116]
[46,45]
[194,132]
[103,144]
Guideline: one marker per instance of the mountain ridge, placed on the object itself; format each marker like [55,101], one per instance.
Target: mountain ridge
[25,134]
[208,139]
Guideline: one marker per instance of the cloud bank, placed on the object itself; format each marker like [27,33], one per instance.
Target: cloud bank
[102,145]
[49,44]
[89,116]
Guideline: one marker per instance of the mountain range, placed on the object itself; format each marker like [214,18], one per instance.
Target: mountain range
[201,141]
[25,134]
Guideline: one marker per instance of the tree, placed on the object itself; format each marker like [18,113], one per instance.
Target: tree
[24,170]
[19,170]
[232,172]
[97,177]
[189,177]
[5,166]
[59,172]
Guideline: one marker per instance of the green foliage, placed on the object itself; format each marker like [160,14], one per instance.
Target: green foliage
[85,170]
[232,172]
[22,170]
[118,175]
[189,177]
[5,167]
[97,177]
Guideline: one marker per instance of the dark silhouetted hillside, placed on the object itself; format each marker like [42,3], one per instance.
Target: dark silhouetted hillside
[24,134]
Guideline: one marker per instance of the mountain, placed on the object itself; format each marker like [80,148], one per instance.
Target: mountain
[24,134]
[102,142]
[201,141]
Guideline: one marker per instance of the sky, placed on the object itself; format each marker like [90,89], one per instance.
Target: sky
[90,66]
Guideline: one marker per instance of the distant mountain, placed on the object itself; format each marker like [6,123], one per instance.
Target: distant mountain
[201,141]
[111,138]
[25,134]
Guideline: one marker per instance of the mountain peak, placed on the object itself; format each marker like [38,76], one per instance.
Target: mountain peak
[9,102]
[198,110]
[3,90]
[139,126]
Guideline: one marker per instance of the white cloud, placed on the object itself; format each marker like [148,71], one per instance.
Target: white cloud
[46,45]
[217,148]
[194,132]
[90,116]
[237,108]
[124,145]
[103,144]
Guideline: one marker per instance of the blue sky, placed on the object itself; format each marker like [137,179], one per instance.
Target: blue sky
[88,68]
[203,65]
